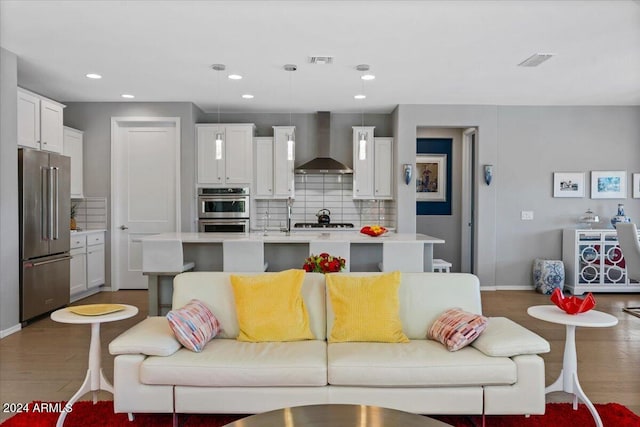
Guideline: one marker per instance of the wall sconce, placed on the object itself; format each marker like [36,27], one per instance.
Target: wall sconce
[408,173]
[488,174]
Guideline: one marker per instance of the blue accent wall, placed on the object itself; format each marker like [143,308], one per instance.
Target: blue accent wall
[436,146]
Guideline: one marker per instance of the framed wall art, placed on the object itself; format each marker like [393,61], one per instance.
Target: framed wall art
[568,184]
[636,185]
[608,184]
[431,177]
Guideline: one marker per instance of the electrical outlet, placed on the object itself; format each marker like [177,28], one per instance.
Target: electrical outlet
[526,215]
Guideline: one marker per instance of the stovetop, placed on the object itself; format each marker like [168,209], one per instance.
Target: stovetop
[316,225]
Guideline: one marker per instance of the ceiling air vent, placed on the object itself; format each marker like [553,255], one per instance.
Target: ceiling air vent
[321,60]
[535,59]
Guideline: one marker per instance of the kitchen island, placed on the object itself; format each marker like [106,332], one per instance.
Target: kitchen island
[282,250]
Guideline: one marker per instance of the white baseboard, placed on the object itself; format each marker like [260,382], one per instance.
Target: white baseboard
[508,288]
[9,331]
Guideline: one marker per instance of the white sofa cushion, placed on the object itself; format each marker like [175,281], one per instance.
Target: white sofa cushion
[504,337]
[231,363]
[419,363]
[152,337]
[214,289]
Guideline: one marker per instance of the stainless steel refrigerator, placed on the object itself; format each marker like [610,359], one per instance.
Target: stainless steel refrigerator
[44,205]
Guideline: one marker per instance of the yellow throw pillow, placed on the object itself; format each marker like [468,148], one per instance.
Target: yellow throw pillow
[366,308]
[270,307]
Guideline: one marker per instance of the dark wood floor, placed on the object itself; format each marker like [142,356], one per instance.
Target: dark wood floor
[48,360]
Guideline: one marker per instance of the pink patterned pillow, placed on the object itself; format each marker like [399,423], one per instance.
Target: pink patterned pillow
[194,325]
[456,328]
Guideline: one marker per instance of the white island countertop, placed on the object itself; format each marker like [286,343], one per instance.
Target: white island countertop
[294,237]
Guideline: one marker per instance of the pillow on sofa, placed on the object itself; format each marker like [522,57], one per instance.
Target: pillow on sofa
[366,308]
[456,328]
[194,325]
[270,307]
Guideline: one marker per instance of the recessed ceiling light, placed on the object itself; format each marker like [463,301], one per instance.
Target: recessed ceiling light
[93,76]
[360,96]
[536,59]
[368,77]
[128,96]
[247,96]
[235,77]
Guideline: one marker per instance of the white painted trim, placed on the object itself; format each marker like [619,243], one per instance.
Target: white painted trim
[11,330]
[466,208]
[116,123]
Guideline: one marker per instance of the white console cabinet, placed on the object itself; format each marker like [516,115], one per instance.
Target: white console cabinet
[593,262]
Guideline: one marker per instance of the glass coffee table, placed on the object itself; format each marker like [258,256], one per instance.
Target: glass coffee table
[335,415]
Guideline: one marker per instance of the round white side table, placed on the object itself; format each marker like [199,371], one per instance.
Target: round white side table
[568,379]
[94,380]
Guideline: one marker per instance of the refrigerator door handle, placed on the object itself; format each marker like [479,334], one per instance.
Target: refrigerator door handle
[44,196]
[51,203]
[56,201]
[51,261]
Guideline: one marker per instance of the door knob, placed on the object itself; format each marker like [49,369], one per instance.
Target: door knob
[124,227]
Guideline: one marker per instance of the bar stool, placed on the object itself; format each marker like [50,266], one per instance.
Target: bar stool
[441,265]
[162,260]
[243,256]
[402,256]
[339,248]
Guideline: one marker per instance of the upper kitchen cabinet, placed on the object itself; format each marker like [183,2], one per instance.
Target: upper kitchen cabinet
[274,159]
[39,122]
[372,165]
[224,154]
[73,140]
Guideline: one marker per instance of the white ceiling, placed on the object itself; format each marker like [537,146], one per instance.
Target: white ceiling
[422,52]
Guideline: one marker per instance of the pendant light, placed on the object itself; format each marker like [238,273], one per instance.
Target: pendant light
[362,135]
[291,137]
[219,135]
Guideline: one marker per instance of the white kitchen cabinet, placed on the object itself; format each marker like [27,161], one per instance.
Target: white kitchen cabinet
[95,260]
[78,264]
[593,262]
[87,268]
[263,156]
[73,141]
[39,122]
[231,162]
[372,165]
[274,159]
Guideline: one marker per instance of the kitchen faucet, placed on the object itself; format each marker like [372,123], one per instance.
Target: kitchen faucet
[289,204]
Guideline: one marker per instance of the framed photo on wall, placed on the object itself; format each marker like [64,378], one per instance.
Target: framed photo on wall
[431,177]
[636,185]
[608,184]
[568,184]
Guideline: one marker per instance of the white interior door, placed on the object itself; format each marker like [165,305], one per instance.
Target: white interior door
[468,201]
[145,190]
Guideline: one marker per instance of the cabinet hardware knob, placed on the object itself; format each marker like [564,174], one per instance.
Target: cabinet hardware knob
[124,227]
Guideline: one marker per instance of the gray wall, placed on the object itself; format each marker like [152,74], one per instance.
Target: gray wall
[447,227]
[525,145]
[407,119]
[534,142]
[9,247]
[94,118]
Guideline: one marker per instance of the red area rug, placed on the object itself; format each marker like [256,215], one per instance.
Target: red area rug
[85,414]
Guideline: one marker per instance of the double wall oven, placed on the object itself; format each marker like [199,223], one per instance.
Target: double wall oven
[223,210]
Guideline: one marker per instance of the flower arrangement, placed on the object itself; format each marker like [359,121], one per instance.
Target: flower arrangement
[323,263]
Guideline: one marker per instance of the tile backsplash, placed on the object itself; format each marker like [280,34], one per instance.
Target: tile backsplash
[91,213]
[316,192]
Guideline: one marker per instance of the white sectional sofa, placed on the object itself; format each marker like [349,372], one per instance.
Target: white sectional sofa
[500,373]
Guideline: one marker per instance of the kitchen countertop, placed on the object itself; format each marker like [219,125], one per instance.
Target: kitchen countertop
[84,232]
[295,237]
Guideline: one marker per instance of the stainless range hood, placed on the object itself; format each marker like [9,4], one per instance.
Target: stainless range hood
[323,164]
